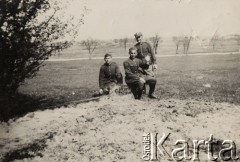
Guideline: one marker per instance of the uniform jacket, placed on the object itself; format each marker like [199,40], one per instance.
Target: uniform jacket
[109,73]
[133,69]
[144,49]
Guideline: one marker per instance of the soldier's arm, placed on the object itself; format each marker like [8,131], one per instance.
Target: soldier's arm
[118,75]
[118,72]
[153,57]
[143,63]
[101,78]
[128,71]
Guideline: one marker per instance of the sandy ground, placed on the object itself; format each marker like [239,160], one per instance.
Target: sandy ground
[111,129]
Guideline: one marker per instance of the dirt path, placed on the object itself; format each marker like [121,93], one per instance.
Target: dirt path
[112,129]
[179,55]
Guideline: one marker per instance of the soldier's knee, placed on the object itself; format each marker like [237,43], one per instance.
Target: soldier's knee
[141,85]
[151,81]
[141,82]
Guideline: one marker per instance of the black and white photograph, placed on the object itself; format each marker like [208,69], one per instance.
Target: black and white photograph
[119,81]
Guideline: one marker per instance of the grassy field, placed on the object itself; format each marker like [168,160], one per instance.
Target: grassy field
[210,78]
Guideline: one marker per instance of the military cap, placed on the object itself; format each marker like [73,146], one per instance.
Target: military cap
[138,34]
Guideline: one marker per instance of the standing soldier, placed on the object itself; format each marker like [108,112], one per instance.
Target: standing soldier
[134,76]
[109,75]
[144,49]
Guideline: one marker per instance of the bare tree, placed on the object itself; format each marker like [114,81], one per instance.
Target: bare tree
[177,42]
[215,40]
[155,40]
[184,41]
[115,40]
[237,38]
[90,45]
[124,41]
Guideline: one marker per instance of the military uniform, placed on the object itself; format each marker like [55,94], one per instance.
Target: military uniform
[134,71]
[109,76]
[144,49]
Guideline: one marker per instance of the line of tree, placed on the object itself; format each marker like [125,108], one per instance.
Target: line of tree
[156,40]
[92,44]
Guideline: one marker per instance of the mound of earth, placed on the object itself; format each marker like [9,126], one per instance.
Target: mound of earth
[111,129]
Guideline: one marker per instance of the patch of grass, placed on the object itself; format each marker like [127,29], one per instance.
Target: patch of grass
[210,78]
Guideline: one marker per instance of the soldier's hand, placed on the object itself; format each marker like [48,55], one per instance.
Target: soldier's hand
[147,58]
[106,91]
[142,80]
[100,91]
[155,66]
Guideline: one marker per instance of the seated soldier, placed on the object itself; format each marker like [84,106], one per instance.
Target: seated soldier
[109,75]
[135,77]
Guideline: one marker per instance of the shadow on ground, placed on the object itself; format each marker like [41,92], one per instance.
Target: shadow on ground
[22,104]
[29,151]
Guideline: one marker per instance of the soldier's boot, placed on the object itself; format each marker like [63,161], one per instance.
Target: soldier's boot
[135,96]
[151,91]
[139,93]
[140,89]
[135,93]
[144,89]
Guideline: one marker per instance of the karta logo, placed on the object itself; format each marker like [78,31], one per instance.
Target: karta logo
[153,149]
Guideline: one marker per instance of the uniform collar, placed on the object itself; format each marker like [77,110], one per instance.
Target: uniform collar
[132,59]
[108,64]
[139,43]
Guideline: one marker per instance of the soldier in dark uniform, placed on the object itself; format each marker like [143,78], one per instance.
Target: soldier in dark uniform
[109,75]
[135,78]
[144,49]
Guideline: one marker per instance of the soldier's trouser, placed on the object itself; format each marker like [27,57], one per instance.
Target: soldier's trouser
[151,81]
[136,88]
[108,87]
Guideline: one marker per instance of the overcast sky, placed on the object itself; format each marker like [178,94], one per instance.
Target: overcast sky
[109,19]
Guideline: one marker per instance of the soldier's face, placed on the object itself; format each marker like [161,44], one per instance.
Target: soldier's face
[133,54]
[139,39]
[108,59]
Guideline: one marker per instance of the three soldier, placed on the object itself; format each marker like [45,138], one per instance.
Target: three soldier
[139,70]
